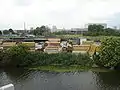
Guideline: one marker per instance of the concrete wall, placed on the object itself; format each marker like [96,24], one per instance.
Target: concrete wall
[7,87]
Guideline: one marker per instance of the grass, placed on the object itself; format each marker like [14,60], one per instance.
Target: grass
[68,36]
[60,69]
[88,37]
[100,70]
[29,44]
[69,69]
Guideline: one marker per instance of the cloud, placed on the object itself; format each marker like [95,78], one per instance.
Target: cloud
[23,2]
[62,13]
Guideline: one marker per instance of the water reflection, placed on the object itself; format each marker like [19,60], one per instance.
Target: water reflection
[11,75]
[109,80]
[39,80]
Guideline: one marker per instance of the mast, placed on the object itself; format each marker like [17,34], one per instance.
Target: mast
[25,28]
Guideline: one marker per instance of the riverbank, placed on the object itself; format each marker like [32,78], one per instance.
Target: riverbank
[69,69]
[60,68]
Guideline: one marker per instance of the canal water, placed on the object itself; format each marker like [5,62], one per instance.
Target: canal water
[39,80]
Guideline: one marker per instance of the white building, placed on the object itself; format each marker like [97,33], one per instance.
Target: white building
[54,28]
[79,29]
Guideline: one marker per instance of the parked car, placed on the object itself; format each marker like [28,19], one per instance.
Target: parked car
[39,46]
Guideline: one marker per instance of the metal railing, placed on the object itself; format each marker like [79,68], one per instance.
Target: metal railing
[7,87]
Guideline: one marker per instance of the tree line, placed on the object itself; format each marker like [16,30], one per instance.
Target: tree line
[43,30]
[6,32]
[97,30]
[93,30]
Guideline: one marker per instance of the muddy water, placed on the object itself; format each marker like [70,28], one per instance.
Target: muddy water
[39,80]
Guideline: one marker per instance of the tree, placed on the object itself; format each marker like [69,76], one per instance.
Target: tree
[109,54]
[17,54]
[110,31]
[95,28]
[0,32]
[5,32]
[46,31]
[37,31]
[43,30]
[11,31]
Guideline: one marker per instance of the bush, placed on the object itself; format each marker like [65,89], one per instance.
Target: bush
[21,56]
[14,55]
[4,58]
[63,59]
[109,55]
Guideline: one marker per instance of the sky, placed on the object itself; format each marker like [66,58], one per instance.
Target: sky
[62,13]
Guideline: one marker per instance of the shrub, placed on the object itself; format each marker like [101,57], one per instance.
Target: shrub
[109,55]
[16,54]
[84,60]
[63,59]
[4,58]
[21,56]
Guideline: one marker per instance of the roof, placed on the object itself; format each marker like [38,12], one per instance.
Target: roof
[52,42]
[40,39]
[54,39]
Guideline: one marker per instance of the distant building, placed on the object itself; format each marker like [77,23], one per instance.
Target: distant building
[103,24]
[54,28]
[22,31]
[30,36]
[77,30]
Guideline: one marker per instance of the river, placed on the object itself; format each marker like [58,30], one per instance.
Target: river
[39,80]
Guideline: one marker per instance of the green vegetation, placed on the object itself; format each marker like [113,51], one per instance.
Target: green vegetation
[6,32]
[101,69]
[13,56]
[20,56]
[91,38]
[43,30]
[60,33]
[109,54]
[61,69]
[99,30]
[11,31]
[68,69]
[67,36]
[94,31]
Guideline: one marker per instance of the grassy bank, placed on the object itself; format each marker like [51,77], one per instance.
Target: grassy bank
[60,68]
[69,69]
[20,56]
[88,37]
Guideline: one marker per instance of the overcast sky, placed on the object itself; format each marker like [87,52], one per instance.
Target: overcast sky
[62,13]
